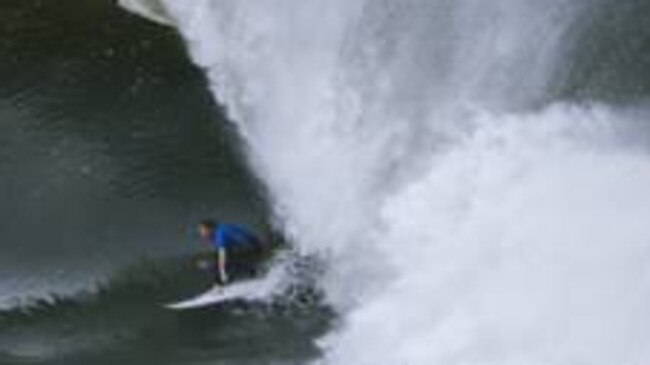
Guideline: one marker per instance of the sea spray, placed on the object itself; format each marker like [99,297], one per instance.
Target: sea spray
[466,217]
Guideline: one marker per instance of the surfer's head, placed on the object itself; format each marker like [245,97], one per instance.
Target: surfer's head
[207,228]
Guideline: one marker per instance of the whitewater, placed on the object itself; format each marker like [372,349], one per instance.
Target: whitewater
[467,212]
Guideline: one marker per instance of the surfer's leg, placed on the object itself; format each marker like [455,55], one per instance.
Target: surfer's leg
[254,257]
[242,261]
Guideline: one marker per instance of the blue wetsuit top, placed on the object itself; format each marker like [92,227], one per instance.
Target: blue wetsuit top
[229,235]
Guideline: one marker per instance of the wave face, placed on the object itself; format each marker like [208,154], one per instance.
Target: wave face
[472,210]
[95,171]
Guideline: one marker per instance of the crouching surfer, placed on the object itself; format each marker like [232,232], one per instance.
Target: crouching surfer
[237,249]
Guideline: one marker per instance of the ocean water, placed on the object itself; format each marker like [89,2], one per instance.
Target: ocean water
[111,150]
[470,176]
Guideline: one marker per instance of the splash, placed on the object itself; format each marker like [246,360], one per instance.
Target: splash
[467,218]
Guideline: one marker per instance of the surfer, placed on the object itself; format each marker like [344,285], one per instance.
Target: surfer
[236,247]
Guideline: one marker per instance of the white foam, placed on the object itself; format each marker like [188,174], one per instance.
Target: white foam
[254,290]
[397,140]
[519,246]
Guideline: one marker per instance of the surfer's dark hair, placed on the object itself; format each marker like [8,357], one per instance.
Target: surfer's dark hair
[208,223]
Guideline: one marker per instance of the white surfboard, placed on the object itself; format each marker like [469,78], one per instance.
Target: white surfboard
[248,290]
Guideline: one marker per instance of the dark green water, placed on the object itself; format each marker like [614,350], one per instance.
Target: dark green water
[110,149]
[110,146]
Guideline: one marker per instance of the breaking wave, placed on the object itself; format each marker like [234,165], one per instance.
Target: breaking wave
[474,173]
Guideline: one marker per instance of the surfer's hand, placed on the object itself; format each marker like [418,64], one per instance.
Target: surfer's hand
[202,264]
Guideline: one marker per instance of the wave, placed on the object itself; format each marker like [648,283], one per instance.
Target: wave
[52,327]
[124,320]
[476,194]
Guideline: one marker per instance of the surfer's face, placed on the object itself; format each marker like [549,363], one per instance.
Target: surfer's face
[205,232]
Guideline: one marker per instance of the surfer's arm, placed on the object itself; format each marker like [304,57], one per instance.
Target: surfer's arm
[221,264]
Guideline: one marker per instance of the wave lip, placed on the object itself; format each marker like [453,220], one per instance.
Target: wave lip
[152,10]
